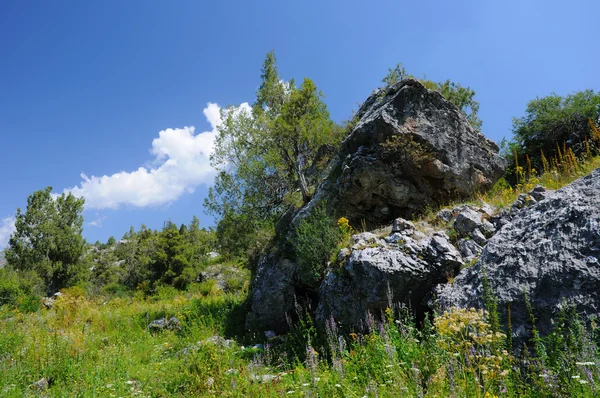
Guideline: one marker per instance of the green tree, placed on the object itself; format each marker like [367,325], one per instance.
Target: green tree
[202,241]
[300,130]
[136,253]
[462,97]
[47,239]
[104,267]
[552,121]
[271,94]
[246,195]
[171,258]
[266,156]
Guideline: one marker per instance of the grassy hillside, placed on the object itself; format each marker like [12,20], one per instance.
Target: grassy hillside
[102,346]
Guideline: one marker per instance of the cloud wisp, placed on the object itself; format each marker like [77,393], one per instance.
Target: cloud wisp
[182,163]
[7,227]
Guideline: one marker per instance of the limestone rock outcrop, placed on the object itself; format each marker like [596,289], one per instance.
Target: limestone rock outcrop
[402,267]
[549,251]
[411,149]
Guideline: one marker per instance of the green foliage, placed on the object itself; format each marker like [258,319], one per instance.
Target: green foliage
[406,153]
[552,123]
[48,239]
[9,287]
[266,155]
[299,131]
[462,97]
[395,75]
[171,258]
[315,240]
[104,348]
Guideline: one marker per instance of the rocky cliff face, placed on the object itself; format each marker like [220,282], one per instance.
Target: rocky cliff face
[410,150]
[548,251]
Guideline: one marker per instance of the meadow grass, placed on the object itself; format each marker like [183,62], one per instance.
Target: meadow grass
[102,347]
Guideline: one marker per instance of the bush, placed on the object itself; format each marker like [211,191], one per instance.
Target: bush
[115,289]
[315,240]
[29,303]
[552,123]
[9,288]
[20,290]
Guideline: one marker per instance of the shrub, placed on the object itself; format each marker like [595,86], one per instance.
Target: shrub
[550,125]
[29,303]
[9,288]
[315,240]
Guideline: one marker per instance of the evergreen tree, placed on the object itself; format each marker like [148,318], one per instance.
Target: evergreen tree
[48,240]
[263,157]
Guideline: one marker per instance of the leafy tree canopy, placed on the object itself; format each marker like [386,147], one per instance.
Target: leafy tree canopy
[553,120]
[267,156]
[47,238]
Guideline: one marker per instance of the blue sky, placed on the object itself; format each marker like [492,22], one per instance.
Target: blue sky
[105,88]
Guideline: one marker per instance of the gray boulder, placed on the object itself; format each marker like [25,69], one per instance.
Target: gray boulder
[410,150]
[402,268]
[469,220]
[172,323]
[48,302]
[273,293]
[550,251]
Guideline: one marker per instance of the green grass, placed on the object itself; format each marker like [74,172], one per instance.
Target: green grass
[101,347]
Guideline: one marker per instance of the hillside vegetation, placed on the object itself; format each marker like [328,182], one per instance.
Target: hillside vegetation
[164,313]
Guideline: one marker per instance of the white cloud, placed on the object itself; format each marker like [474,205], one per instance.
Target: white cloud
[97,222]
[181,163]
[7,227]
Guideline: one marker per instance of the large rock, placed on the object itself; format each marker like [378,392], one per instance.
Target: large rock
[549,251]
[410,150]
[273,293]
[404,267]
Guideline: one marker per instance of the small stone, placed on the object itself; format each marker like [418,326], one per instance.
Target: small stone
[263,378]
[445,215]
[343,254]
[478,237]
[218,340]
[467,221]
[42,384]
[401,225]
[539,193]
[469,249]
[172,323]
